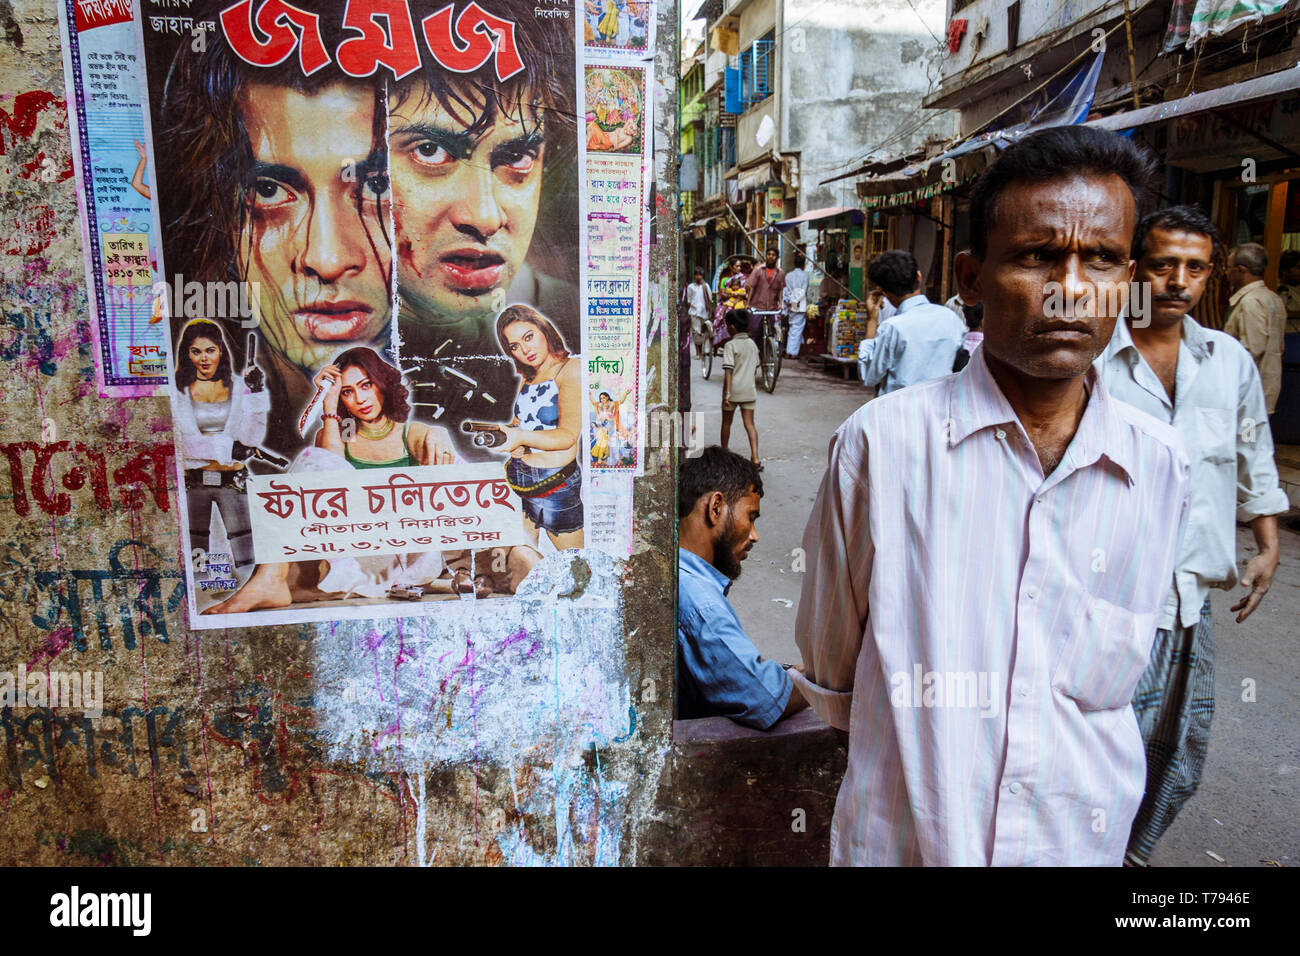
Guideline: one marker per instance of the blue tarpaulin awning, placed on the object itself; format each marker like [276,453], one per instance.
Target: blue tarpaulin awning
[1062,102]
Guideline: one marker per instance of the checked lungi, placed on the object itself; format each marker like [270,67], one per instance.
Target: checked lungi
[1174,704]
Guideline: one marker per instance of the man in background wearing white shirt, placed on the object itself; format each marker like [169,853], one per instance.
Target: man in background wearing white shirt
[1026,522]
[794,302]
[699,305]
[919,341]
[1205,385]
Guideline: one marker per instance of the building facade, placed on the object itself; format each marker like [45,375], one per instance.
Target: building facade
[794,93]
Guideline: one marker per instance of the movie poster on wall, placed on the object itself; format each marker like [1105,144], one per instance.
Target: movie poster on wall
[101,69]
[378,383]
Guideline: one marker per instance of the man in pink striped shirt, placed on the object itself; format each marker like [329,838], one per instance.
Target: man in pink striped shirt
[989,551]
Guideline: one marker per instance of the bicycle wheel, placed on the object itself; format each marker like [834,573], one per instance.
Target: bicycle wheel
[707,357]
[771,361]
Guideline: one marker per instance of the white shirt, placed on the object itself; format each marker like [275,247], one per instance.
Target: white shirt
[1218,411]
[697,302]
[795,293]
[917,343]
[1046,589]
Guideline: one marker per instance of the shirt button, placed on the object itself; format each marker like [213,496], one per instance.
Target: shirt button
[1014,788]
[1031,593]
[1038,500]
[999,434]
[1022,690]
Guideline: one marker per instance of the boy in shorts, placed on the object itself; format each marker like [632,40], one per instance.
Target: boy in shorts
[740,361]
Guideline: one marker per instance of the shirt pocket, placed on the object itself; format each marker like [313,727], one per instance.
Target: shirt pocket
[1216,433]
[1105,655]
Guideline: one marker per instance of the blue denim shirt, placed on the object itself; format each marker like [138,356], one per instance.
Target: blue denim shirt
[719,670]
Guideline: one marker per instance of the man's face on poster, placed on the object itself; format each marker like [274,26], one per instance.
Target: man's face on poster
[315,213]
[464,205]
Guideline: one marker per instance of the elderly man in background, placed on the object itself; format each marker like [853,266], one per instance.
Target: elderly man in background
[1204,384]
[1257,317]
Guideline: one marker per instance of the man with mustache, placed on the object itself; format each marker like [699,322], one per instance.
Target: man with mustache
[1026,524]
[1206,386]
[719,671]
[472,159]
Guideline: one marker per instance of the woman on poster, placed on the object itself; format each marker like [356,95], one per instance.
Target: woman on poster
[542,439]
[610,435]
[220,419]
[365,400]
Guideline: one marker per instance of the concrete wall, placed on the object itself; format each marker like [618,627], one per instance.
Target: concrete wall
[314,744]
[756,20]
[1038,18]
[853,77]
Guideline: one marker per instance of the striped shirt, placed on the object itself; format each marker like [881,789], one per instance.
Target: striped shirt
[987,693]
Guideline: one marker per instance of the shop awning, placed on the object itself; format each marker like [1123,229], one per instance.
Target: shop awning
[826,212]
[758,176]
[1238,93]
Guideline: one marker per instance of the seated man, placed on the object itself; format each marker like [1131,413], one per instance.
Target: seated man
[919,341]
[719,671]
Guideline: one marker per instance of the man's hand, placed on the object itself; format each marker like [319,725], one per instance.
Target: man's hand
[1259,578]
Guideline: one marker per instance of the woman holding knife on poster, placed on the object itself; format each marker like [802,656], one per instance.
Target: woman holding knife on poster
[542,439]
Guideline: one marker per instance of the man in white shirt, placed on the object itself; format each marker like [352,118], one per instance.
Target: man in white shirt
[1205,385]
[794,302]
[1027,523]
[699,305]
[1257,316]
[919,341]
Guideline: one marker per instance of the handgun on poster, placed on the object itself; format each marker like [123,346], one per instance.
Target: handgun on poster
[485,434]
[255,379]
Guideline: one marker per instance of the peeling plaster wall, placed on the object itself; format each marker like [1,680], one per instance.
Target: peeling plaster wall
[854,76]
[522,732]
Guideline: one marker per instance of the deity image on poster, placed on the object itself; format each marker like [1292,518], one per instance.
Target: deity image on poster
[617,24]
[614,111]
[372,206]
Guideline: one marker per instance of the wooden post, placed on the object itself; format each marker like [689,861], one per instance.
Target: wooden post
[1132,66]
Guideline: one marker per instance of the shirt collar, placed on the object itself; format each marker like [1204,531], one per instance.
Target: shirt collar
[688,562]
[976,402]
[1241,293]
[911,302]
[1193,336]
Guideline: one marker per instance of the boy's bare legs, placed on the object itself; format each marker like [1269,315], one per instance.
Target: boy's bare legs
[728,413]
[747,416]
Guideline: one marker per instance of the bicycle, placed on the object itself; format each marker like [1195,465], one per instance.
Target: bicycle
[771,350]
[706,356]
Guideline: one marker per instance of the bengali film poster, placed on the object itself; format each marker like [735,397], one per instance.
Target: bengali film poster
[616,238]
[370,222]
[101,67]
